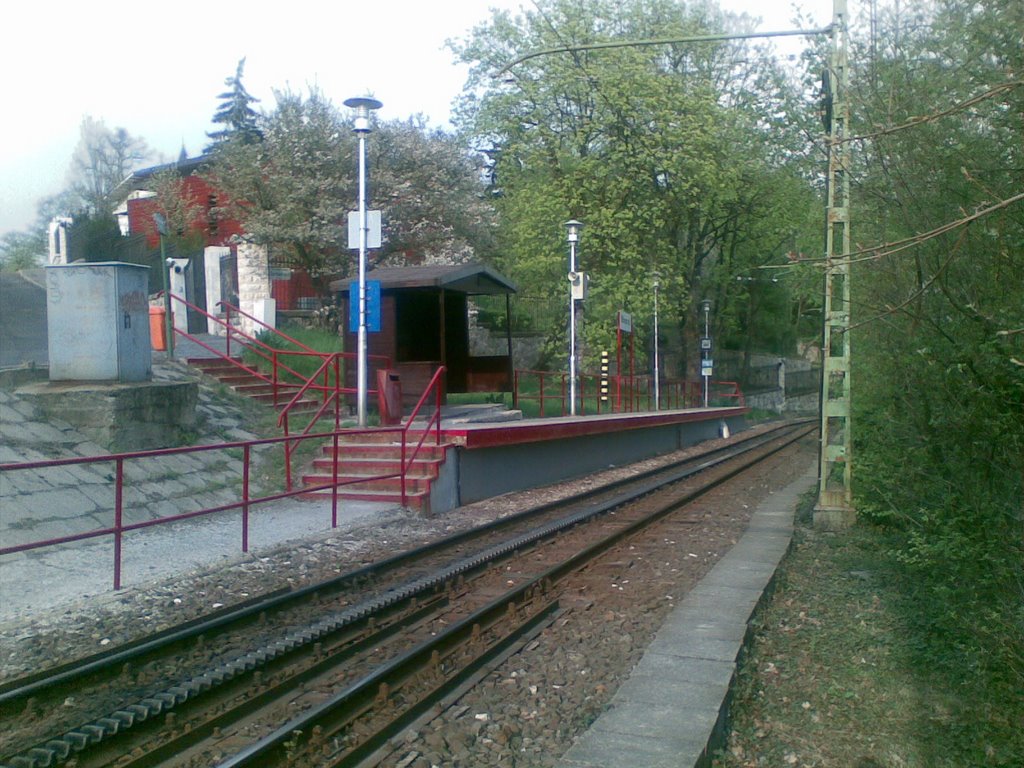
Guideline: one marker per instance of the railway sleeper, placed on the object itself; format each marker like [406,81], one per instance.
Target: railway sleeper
[58,747]
[36,758]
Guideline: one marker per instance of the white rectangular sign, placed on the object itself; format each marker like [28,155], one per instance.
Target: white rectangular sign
[372,229]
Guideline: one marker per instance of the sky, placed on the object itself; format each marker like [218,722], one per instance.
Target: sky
[156,69]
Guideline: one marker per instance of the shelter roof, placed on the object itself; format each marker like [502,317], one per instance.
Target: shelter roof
[471,279]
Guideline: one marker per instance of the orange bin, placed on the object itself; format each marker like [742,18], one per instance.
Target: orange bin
[158,328]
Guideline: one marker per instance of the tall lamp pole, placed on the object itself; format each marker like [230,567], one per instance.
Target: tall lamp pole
[572,229]
[361,126]
[657,388]
[705,351]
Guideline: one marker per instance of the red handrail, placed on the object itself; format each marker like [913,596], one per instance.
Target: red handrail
[120,528]
[433,421]
[632,393]
[331,360]
[257,347]
[283,419]
[733,392]
[272,329]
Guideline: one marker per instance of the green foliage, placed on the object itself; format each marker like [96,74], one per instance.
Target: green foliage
[19,250]
[294,356]
[94,238]
[678,158]
[848,668]
[293,189]
[937,366]
[235,113]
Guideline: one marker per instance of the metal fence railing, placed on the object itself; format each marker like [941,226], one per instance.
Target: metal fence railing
[127,468]
[546,394]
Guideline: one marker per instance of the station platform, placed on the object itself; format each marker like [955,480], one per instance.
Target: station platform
[672,711]
[489,459]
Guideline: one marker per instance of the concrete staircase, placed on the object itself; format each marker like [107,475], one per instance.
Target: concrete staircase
[244,382]
[363,458]
[370,467]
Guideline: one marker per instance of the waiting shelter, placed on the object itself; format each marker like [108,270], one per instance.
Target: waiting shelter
[424,324]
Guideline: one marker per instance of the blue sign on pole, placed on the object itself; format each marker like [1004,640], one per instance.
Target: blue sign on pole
[372,306]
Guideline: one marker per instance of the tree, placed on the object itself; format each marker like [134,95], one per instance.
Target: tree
[20,250]
[235,113]
[101,161]
[429,185]
[293,190]
[663,152]
[939,399]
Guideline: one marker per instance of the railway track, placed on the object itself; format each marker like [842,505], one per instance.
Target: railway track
[345,664]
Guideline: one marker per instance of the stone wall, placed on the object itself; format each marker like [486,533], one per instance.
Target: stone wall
[253,281]
[120,417]
[58,501]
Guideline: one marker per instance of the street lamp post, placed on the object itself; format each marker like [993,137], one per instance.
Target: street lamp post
[361,126]
[656,282]
[705,352]
[572,229]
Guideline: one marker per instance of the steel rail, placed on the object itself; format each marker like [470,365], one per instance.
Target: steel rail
[15,691]
[93,732]
[330,715]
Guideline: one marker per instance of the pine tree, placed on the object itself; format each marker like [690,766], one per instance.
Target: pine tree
[235,113]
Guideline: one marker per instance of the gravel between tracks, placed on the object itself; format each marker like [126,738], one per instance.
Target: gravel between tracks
[524,716]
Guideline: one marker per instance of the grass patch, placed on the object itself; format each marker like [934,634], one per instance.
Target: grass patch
[842,672]
[292,355]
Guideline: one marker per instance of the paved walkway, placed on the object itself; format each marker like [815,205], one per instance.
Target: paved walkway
[671,711]
[50,503]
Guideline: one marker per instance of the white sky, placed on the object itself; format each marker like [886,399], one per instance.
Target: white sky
[156,69]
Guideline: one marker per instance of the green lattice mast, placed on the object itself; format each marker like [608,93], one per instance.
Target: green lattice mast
[835,503]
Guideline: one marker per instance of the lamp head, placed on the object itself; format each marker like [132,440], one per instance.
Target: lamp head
[362,106]
[572,229]
[161,223]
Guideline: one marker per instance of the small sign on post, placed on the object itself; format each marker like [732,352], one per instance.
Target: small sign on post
[372,229]
[372,306]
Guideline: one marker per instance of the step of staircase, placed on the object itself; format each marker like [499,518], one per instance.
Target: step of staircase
[369,467]
[350,484]
[419,500]
[213,365]
[248,384]
[427,452]
[350,466]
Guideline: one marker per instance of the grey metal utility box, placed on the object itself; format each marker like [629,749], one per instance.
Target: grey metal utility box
[98,322]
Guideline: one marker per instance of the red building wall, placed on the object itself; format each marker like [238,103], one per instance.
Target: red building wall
[215,230]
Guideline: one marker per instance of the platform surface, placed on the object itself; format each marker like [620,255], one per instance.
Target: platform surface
[484,435]
[671,711]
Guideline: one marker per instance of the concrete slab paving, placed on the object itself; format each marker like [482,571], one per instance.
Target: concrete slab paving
[671,712]
[29,581]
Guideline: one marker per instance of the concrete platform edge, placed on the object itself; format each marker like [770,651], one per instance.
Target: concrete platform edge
[682,721]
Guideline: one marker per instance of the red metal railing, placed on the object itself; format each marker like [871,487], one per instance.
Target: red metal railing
[626,394]
[728,391]
[246,502]
[120,528]
[331,396]
[433,423]
[282,378]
